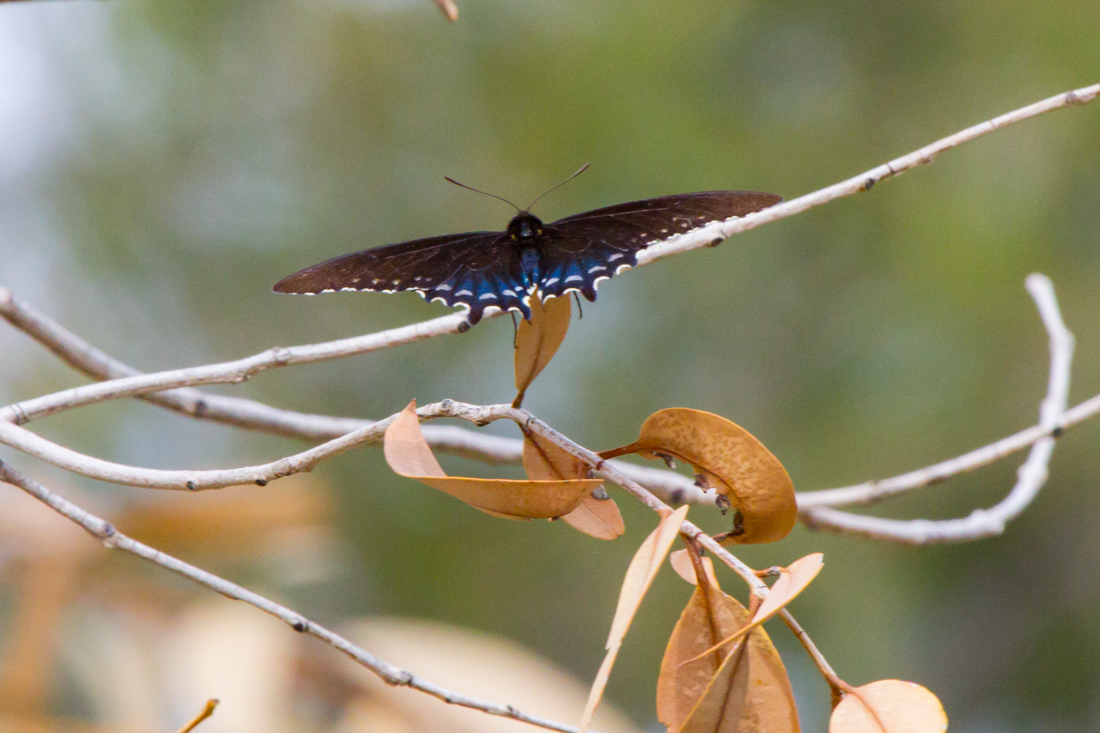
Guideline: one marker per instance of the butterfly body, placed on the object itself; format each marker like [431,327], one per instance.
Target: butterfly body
[488,271]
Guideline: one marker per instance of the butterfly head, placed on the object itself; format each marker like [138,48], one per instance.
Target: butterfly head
[525,229]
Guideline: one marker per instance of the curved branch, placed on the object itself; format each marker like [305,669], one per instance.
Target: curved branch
[1030,477]
[105,532]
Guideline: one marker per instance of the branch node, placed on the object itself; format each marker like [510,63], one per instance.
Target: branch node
[464,327]
[261,482]
[191,486]
[300,625]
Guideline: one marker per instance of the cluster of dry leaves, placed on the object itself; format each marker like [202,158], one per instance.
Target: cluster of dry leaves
[720,671]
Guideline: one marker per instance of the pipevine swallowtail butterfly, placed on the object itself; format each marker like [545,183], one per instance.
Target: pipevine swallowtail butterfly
[502,270]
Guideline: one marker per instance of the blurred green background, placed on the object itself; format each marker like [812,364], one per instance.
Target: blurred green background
[162,164]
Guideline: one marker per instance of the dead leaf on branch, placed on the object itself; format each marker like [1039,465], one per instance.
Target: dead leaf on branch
[682,564]
[538,339]
[899,707]
[408,454]
[792,581]
[731,461]
[639,576]
[707,688]
[543,460]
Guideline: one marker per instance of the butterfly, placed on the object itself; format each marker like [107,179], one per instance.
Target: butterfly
[500,271]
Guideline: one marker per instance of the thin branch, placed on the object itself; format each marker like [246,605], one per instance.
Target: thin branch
[1030,477]
[236,371]
[197,480]
[112,538]
[668,485]
[242,369]
[713,233]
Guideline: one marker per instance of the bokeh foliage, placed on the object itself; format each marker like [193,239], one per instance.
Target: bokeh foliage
[190,154]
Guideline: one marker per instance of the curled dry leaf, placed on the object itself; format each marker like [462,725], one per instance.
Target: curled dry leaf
[707,688]
[899,707]
[543,460]
[639,576]
[731,461]
[408,454]
[538,340]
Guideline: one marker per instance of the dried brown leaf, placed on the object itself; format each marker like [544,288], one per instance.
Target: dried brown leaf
[750,693]
[408,454]
[704,688]
[599,518]
[732,461]
[639,576]
[900,707]
[538,339]
[792,581]
[681,563]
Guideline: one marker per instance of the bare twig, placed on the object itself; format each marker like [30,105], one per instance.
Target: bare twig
[242,369]
[708,235]
[1030,477]
[206,713]
[112,538]
[239,370]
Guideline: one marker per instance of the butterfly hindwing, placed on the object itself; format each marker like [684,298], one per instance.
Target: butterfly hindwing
[477,269]
[579,251]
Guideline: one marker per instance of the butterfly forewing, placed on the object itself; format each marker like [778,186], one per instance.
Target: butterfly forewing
[579,251]
[477,269]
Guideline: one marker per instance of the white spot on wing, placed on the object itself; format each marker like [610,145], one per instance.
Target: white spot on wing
[488,296]
[574,278]
[443,287]
[463,292]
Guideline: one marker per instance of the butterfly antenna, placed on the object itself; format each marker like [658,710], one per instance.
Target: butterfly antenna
[567,180]
[486,193]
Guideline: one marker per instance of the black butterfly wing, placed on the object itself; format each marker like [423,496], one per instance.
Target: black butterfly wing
[477,269]
[579,251]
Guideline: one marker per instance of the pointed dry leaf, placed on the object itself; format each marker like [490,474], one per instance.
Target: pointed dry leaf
[792,581]
[408,454]
[741,688]
[538,340]
[681,563]
[732,461]
[599,518]
[900,707]
[543,460]
[639,576]
[750,693]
